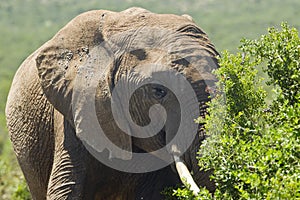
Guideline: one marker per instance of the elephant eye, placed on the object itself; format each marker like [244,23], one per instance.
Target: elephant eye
[159,92]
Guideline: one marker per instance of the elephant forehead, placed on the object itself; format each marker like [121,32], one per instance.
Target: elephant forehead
[196,75]
[136,17]
[92,28]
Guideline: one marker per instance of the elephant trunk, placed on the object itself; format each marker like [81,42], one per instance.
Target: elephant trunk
[185,175]
[201,177]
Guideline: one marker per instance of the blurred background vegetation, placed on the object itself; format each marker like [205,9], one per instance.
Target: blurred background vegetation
[27,24]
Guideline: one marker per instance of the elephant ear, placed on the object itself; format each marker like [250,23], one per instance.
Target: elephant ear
[59,58]
[66,64]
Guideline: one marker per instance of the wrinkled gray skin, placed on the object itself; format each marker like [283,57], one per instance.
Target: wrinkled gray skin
[53,159]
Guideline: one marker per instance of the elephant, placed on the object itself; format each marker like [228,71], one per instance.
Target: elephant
[103,109]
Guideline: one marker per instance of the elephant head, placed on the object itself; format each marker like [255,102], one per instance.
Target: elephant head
[131,84]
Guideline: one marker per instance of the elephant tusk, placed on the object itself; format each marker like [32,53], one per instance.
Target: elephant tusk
[186,176]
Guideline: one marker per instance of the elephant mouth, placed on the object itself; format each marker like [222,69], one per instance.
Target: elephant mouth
[181,168]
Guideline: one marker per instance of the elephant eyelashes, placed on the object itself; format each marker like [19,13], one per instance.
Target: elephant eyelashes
[159,92]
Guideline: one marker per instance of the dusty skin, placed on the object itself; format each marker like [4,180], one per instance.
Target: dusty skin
[106,73]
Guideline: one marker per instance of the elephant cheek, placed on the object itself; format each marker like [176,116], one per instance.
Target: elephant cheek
[171,130]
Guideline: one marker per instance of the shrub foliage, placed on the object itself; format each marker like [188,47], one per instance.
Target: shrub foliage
[254,145]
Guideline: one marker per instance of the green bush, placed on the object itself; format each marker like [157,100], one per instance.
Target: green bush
[22,192]
[254,146]
[12,182]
